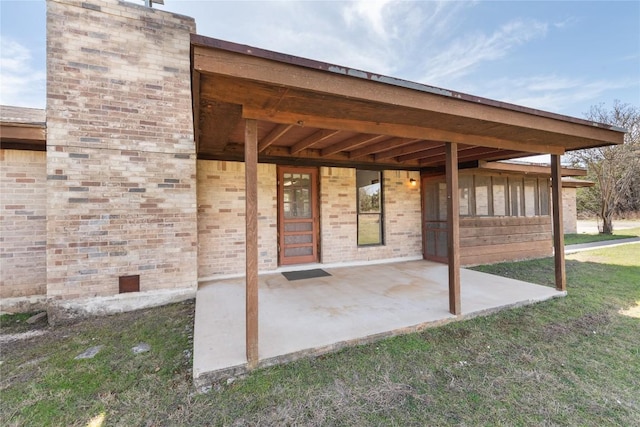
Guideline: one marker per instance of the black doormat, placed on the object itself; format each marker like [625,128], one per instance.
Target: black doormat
[305,274]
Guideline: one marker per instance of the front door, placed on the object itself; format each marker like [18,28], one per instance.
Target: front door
[434,220]
[297,215]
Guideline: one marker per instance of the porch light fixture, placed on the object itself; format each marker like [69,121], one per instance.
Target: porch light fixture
[413,182]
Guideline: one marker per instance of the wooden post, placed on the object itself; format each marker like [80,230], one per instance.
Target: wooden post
[558,228]
[453,227]
[251,204]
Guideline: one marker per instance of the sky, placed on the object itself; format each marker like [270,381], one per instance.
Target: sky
[559,56]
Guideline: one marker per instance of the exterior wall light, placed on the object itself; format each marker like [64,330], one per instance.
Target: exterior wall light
[413,182]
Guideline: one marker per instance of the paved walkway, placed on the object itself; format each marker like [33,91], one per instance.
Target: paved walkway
[569,249]
[354,305]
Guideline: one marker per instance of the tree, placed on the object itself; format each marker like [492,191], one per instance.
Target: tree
[614,169]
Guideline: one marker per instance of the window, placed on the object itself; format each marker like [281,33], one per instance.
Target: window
[369,184]
[483,195]
[465,187]
[499,196]
[530,196]
[515,196]
[486,195]
[543,191]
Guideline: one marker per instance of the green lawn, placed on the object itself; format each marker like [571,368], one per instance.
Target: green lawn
[568,361]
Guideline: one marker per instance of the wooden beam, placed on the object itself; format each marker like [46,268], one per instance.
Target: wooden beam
[313,139]
[453,228]
[397,130]
[558,228]
[20,133]
[276,133]
[251,217]
[309,157]
[349,144]
[195,104]
[530,168]
[469,152]
[217,122]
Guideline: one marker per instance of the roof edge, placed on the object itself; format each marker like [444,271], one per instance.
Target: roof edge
[204,41]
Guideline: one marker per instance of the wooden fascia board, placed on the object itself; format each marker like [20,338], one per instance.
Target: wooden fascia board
[577,183]
[538,169]
[22,133]
[209,60]
[195,103]
[397,130]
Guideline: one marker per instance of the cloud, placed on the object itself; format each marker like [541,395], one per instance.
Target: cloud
[463,55]
[568,22]
[385,36]
[552,92]
[371,13]
[20,83]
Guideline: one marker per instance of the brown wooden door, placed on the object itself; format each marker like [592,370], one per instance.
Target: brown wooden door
[297,215]
[434,220]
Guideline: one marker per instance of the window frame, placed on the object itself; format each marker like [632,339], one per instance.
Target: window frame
[380,214]
[507,183]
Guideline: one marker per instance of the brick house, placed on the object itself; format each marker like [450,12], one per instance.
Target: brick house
[171,158]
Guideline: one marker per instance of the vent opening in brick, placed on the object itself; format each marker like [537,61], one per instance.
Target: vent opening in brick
[129,283]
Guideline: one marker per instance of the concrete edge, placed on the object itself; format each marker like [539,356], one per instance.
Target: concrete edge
[61,311]
[207,378]
[517,304]
[580,247]
[23,304]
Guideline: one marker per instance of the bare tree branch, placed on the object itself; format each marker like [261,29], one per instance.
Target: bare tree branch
[614,169]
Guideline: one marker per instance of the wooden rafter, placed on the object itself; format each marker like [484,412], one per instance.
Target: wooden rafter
[349,144]
[466,153]
[411,146]
[313,139]
[277,133]
[428,152]
[378,147]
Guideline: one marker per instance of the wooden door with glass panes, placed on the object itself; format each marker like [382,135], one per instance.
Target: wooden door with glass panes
[297,215]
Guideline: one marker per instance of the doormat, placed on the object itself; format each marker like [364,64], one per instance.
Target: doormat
[305,274]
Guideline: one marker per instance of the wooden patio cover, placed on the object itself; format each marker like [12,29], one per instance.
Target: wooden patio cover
[254,105]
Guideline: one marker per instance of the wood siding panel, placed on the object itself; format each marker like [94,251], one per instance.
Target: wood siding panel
[487,240]
[476,258]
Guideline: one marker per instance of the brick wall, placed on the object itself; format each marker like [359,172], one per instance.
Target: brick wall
[339,224]
[23,223]
[221,226]
[121,167]
[569,210]
[221,218]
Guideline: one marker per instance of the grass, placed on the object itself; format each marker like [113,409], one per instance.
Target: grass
[568,361]
[575,239]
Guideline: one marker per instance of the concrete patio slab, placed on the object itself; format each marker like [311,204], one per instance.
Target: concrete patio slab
[354,305]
